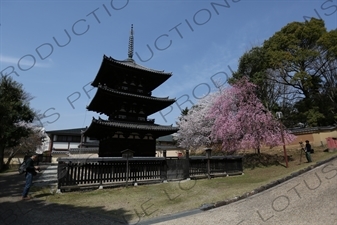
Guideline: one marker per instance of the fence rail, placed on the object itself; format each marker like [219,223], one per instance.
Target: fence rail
[112,171]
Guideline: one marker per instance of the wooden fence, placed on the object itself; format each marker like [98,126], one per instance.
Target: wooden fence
[74,173]
[219,166]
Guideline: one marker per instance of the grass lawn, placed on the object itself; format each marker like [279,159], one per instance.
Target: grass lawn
[149,201]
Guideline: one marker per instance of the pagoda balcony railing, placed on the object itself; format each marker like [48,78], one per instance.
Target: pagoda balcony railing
[134,119]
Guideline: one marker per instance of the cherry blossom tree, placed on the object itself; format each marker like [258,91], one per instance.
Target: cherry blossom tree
[240,121]
[195,127]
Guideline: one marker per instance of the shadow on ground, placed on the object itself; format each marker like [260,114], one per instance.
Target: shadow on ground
[38,212]
[14,211]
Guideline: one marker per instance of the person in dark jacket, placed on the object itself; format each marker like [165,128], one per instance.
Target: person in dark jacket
[31,171]
[307,150]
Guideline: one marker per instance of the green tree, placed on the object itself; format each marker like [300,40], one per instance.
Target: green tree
[15,112]
[184,112]
[296,72]
[254,65]
[27,145]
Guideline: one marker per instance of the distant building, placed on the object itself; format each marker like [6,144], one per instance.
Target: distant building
[166,143]
[316,135]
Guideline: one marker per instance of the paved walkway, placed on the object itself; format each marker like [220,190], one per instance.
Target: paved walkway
[310,198]
[15,211]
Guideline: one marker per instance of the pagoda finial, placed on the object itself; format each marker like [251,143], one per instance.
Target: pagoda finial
[130,51]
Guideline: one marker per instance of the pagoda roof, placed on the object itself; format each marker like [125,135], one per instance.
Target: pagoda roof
[162,99]
[99,126]
[106,74]
[101,105]
[131,63]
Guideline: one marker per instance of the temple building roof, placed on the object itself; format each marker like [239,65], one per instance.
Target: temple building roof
[106,100]
[310,130]
[134,126]
[98,126]
[113,71]
[131,63]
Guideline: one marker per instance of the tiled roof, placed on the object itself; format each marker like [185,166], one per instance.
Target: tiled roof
[166,138]
[135,126]
[83,150]
[168,147]
[90,144]
[66,131]
[308,130]
[134,95]
[133,64]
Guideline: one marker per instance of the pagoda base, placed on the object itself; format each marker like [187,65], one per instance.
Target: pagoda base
[114,147]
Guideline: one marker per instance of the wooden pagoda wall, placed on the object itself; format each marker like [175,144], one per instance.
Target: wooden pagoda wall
[113,147]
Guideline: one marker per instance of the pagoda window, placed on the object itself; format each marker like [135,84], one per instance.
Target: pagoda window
[133,136]
[133,83]
[148,137]
[122,109]
[141,111]
[141,118]
[140,90]
[122,117]
[118,134]
[133,108]
[125,88]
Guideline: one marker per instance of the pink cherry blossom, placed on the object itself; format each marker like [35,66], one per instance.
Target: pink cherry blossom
[240,121]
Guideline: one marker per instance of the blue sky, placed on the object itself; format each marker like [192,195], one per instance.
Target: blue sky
[55,48]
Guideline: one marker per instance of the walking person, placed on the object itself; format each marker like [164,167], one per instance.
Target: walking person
[307,151]
[31,171]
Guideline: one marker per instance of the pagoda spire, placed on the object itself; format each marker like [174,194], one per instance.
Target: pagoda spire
[130,51]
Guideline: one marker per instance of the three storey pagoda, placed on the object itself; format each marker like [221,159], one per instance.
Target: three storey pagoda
[124,95]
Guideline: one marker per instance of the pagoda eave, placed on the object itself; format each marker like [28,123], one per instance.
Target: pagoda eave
[106,74]
[102,128]
[150,105]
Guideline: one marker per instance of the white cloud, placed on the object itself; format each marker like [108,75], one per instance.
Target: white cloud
[26,62]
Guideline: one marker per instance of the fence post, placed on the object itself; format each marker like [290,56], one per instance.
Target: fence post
[62,171]
[127,153]
[163,171]
[100,175]
[208,156]
[187,154]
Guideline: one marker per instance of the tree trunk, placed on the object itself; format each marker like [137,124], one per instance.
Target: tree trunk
[11,156]
[9,160]
[2,151]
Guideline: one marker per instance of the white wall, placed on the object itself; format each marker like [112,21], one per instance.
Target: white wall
[60,145]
